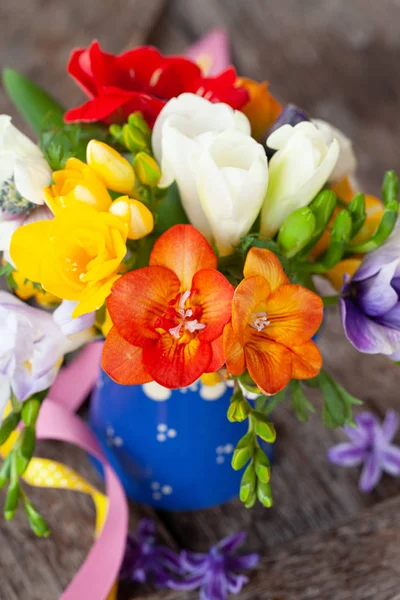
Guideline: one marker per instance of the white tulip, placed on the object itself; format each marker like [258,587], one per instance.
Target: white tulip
[347,162]
[298,170]
[232,180]
[22,163]
[185,126]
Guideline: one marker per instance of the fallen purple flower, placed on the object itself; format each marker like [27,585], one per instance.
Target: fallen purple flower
[218,572]
[371,445]
[146,560]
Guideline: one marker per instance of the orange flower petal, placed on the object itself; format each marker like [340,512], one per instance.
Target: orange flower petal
[295,313]
[307,361]
[137,299]
[344,190]
[260,261]
[174,364]
[249,294]
[269,364]
[262,109]
[185,251]
[218,358]
[122,361]
[347,266]
[213,293]
[234,353]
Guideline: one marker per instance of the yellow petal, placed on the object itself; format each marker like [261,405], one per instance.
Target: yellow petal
[29,244]
[113,169]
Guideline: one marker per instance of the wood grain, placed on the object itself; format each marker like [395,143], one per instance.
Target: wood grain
[339,60]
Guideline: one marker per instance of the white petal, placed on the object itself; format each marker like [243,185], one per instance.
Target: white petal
[347,161]
[67,323]
[31,177]
[7,228]
[5,393]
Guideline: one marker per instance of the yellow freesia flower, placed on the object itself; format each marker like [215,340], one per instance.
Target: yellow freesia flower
[113,169]
[138,217]
[75,256]
[26,290]
[77,183]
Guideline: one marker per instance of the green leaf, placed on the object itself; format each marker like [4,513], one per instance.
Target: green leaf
[338,403]
[301,404]
[266,404]
[170,211]
[35,105]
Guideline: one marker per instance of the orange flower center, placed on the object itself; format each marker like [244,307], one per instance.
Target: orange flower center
[259,321]
[179,320]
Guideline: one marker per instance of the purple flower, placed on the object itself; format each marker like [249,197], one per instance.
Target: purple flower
[146,560]
[369,304]
[218,572]
[371,445]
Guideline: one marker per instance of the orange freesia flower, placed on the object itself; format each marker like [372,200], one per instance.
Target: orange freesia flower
[272,325]
[262,109]
[169,317]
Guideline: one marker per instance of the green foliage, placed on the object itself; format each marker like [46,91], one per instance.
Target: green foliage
[61,141]
[338,403]
[35,105]
[301,404]
[296,231]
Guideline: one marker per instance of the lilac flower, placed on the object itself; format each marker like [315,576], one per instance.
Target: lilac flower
[31,349]
[371,445]
[370,302]
[146,560]
[217,572]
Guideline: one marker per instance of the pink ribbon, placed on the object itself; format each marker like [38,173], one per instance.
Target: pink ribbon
[100,570]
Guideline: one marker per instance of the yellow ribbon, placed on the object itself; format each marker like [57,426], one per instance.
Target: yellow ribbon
[45,473]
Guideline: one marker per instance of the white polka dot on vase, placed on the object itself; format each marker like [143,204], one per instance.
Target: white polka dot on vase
[157,496]
[156,392]
[220,459]
[155,485]
[162,427]
[212,392]
[161,437]
[166,489]
[222,452]
[228,449]
[171,433]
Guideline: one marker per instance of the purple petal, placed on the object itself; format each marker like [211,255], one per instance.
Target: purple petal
[168,558]
[67,323]
[193,561]
[242,563]
[232,542]
[366,334]
[346,455]
[390,425]
[391,318]
[216,588]
[236,582]
[145,528]
[191,582]
[387,253]
[371,473]
[367,421]
[357,435]
[391,460]
[395,283]
[375,295]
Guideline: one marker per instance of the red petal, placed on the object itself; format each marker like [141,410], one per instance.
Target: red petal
[175,364]
[265,263]
[100,108]
[213,293]
[234,352]
[79,68]
[269,364]
[185,251]
[218,357]
[122,361]
[138,299]
[307,361]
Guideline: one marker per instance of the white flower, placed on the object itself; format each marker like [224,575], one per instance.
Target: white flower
[31,349]
[298,170]
[23,161]
[184,128]
[67,323]
[347,162]
[232,180]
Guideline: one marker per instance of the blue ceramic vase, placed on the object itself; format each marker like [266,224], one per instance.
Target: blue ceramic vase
[172,449]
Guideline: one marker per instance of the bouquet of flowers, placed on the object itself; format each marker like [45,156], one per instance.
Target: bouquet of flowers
[183,214]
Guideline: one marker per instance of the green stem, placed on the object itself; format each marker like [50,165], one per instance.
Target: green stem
[16,404]
[330,300]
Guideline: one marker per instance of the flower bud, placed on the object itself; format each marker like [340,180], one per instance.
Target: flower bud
[146,169]
[358,213]
[240,457]
[264,494]
[36,521]
[133,212]
[30,411]
[263,428]
[27,443]
[136,120]
[390,188]
[340,237]
[296,231]
[12,498]
[112,168]
[262,466]
[8,426]
[248,483]
[134,139]
[238,410]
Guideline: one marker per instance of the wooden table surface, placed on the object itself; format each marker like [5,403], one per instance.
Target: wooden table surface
[323,539]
